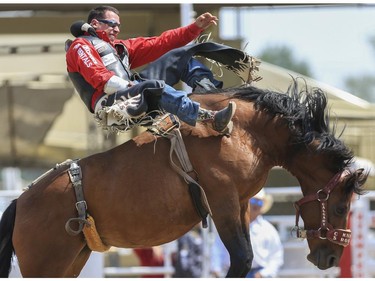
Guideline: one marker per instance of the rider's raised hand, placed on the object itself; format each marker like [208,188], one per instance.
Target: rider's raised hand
[205,20]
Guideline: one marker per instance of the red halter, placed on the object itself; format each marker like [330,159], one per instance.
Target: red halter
[326,231]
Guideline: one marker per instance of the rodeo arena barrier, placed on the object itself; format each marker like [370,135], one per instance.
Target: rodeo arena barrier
[295,251]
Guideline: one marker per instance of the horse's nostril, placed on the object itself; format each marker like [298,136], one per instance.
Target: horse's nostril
[332,261]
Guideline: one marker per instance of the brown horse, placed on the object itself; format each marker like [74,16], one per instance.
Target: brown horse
[137,200]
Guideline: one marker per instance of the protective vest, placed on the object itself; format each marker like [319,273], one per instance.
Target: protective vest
[110,59]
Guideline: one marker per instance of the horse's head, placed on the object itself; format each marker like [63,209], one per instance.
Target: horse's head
[325,214]
[321,162]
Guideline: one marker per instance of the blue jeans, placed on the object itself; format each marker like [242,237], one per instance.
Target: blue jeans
[196,71]
[175,101]
[178,103]
[180,64]
[168,98]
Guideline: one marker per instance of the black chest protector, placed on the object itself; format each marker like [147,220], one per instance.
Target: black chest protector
[114,60]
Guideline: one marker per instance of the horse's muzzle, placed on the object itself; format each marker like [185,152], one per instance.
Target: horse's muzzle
[322,260]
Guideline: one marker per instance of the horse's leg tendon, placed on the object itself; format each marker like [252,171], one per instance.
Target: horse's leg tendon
[235,235]
[233,228]
[76,268]
[241,256]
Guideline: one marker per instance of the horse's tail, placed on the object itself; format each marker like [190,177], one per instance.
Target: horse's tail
[6,244]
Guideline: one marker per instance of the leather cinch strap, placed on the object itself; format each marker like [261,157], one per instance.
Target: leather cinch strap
[75,176]
[86,223]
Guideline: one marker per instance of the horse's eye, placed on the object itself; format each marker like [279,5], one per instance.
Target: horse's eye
[341,210]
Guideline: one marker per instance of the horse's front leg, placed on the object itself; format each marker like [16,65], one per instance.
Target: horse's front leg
[233,227]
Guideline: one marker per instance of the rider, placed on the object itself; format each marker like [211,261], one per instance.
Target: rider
[99,66]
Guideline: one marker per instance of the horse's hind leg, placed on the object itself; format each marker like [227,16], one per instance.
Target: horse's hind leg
[234,232]
[41,243]
[39,258]
[75,269]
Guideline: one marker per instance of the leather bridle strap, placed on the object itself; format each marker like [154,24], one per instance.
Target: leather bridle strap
[326,230]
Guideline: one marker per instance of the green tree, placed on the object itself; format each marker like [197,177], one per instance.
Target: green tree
[362,86]
[283,56]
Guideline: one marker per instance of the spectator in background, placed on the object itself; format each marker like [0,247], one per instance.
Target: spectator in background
[188,260]
[150,257]
[265,240]
[219,258]
[187,255]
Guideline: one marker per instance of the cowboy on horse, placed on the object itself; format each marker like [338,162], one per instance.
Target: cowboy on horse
[99,66]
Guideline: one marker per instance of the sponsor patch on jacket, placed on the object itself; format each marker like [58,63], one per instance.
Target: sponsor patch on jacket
[108,59]
[101,47]
[85,55]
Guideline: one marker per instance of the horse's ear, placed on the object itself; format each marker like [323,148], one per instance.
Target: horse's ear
[359,171]
[357,180]
[361,176]
[357,175]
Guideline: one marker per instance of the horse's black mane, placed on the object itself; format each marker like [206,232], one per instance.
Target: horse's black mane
[308,120]
[306,114]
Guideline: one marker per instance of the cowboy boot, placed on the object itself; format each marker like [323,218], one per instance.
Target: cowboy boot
[219,120]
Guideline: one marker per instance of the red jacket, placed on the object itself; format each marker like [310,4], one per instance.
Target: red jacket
[141,51]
